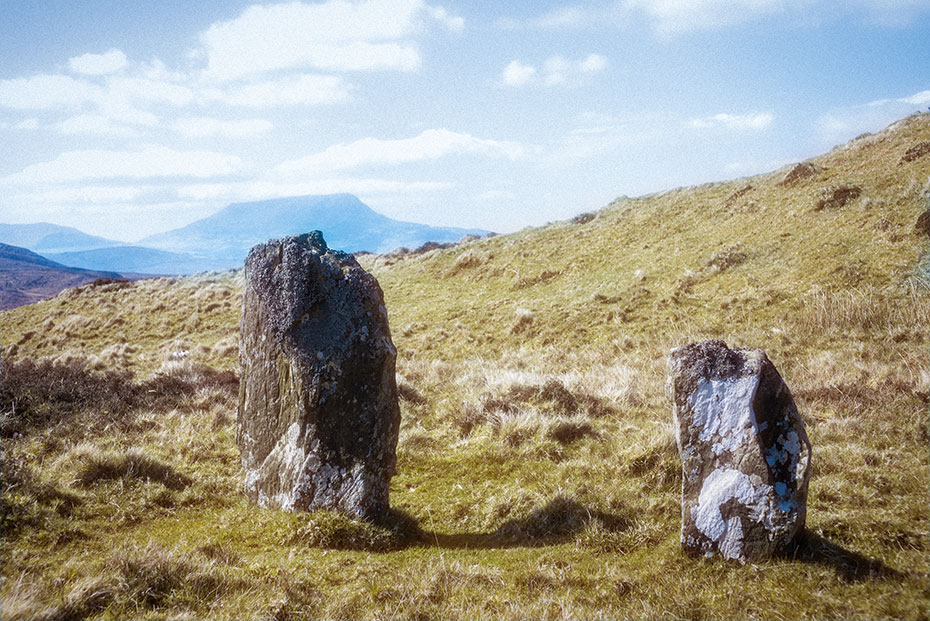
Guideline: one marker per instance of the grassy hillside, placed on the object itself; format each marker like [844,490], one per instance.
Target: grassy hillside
[537,469]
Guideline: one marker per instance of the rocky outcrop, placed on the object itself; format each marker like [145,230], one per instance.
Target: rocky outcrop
[318,411]
[916,152]
[837,197]
[922,226]
[745,455]
[800,171]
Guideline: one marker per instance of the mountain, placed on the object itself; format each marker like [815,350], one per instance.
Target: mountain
[134,259]
[223,239]
[347,224]
[26,277]
[45,238]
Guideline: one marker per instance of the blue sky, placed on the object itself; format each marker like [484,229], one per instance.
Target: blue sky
[126,119]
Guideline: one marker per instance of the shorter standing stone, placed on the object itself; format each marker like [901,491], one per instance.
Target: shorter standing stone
[744,452]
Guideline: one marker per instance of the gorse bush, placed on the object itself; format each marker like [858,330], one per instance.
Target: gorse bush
[36,394]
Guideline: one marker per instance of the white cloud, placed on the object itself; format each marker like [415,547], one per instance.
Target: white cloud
[429,145]
[291,90]
[150,162]
[752,121]
[94,124]
[562,17]
[842,124]
[98,64]
[199,127]
[335,35]
[28,124]
[676,16]
[149,90]
[89,194]
[47,92]
[496,195]
[593,63]
[917,99]
[263,189]
[673,17]
[556,70]
[517,74]
[441,15]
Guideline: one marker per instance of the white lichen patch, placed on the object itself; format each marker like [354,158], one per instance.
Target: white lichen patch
[288,461]
[719,488]
[722,411]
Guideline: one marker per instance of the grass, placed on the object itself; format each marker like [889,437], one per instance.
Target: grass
[537,469]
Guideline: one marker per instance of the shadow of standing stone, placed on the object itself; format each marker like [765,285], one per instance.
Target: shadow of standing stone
[745,455]
[318,412]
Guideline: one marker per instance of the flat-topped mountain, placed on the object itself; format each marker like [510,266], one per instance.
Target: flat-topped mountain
[347,223]
[222,240]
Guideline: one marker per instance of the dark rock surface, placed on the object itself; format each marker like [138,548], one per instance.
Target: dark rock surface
[745,454]
[838,197]
[799,172]
[318,411]
[916,152]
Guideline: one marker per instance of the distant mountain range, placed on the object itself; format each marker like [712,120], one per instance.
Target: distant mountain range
[347,223]
[44,238]
[26,277]
[134,260]
[223,240]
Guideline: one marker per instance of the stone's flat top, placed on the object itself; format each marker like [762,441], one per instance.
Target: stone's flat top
[313,239]
[709,360]
[714,360]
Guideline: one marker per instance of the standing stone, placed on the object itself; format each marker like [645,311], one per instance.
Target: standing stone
[318,411]
[745,456]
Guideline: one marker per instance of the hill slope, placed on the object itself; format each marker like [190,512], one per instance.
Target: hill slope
[537,473]
[346,222]
[26,277]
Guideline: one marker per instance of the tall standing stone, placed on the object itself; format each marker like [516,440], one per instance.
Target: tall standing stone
[744,452]
[318,412]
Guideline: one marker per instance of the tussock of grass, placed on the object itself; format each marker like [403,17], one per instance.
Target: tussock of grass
[28,501]
[561,518]
[99,467]
[151,575]
[327,529]
[135,581]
